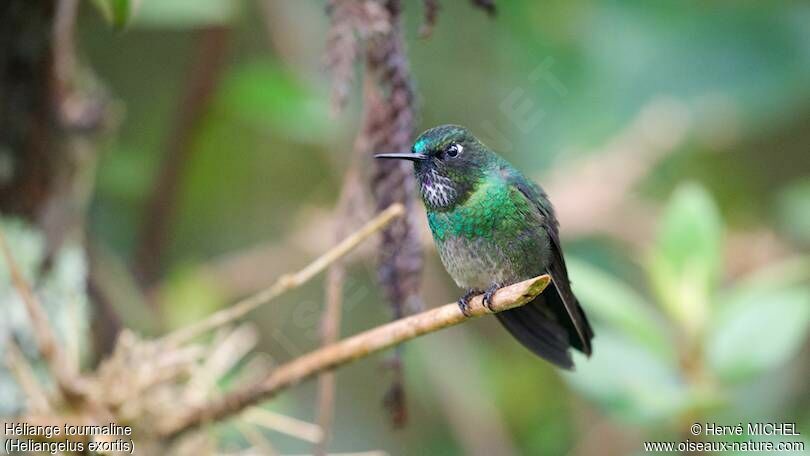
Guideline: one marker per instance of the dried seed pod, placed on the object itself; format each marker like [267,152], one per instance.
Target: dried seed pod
[389,126]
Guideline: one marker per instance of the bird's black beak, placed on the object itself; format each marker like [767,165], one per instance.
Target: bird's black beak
[405,156]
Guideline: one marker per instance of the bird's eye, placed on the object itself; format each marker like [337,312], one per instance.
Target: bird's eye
[453,150]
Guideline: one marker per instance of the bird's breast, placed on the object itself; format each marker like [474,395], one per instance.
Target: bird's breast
[489,239]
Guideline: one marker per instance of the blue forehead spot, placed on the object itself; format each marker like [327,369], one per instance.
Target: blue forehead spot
[420,146]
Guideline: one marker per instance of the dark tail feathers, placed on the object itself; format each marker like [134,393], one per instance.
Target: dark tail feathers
[544,327]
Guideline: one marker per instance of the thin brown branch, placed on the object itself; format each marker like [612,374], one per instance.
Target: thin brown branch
[204,74]
[26,379]
[330,319]
[81,104]
[284,424]
[64,47]
[106,323]
[42,331]
[330,327]
[68,380]
[286,282]
[348,350]
[260,443]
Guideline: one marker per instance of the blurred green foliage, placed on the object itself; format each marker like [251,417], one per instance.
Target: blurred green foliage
[793,210]
[679,337]
[689,354]
[117,12]
[185,13]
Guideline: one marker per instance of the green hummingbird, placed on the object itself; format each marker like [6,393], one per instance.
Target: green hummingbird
[494,227]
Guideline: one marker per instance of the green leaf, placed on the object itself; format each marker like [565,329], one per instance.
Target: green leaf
[757,331]
[610,300]
[186,13]
[117,12]
[685,262]
[787,273]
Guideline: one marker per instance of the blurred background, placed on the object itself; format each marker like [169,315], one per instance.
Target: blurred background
[673,138]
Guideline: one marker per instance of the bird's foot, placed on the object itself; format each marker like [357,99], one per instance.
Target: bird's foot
[464,301]
[489,293]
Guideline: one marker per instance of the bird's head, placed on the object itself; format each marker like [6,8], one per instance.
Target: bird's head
[449,163]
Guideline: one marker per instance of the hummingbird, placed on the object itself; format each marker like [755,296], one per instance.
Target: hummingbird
[494,227]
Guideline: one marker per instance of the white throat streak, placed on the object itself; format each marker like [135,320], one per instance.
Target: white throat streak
[438,191]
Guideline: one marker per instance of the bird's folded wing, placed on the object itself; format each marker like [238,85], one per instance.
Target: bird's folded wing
[535,196]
